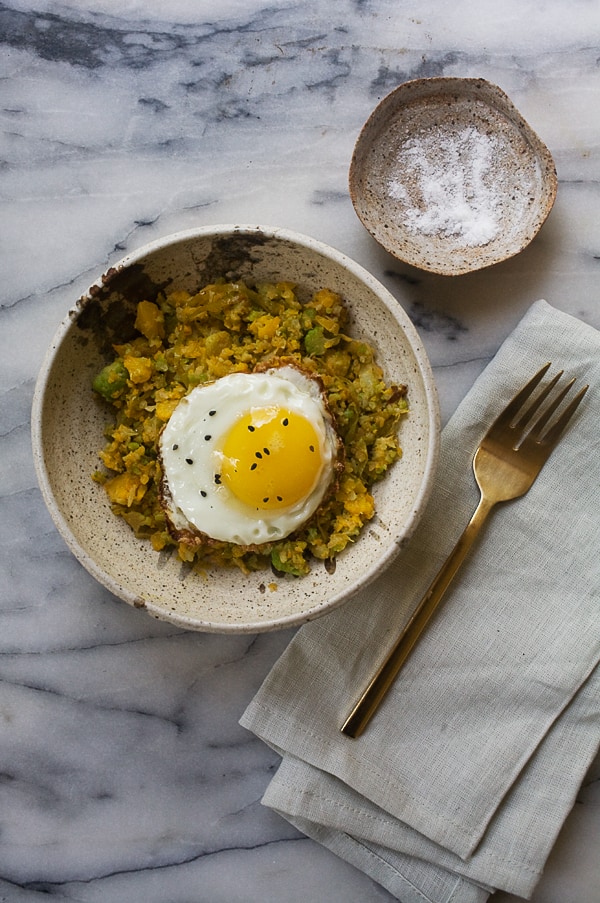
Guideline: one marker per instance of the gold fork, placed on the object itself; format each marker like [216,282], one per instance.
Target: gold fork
[506,464]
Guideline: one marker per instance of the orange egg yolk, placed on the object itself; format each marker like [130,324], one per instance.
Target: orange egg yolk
[271,458]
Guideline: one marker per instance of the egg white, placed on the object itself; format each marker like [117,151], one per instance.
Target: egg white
[194,498]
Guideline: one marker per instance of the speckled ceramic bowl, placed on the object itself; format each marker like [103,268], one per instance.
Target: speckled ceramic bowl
[447,175]
[68,422]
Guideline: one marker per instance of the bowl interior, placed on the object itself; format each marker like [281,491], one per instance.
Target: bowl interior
[68,423]
[447,175]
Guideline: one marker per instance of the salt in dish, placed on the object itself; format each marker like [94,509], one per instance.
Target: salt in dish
[448,176]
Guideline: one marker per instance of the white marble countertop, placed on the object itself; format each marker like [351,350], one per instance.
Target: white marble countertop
[124,775]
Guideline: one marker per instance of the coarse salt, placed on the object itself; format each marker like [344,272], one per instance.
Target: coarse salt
[446,185]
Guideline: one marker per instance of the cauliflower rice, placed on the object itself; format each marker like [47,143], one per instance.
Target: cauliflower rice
[185,340]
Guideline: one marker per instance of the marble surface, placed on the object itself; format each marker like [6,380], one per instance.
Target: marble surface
[124,774]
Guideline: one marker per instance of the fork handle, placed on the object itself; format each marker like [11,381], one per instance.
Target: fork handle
[384,677]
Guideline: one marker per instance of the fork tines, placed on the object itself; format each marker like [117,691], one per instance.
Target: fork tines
[537,430]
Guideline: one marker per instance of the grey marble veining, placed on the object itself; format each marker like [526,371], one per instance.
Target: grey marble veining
[124,775]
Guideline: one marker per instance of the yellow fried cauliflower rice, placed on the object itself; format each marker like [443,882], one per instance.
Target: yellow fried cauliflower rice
[186,342]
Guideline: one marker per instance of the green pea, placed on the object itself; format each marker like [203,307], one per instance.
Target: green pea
[314,341]
[111,380]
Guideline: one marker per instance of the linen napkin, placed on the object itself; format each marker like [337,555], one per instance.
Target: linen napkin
[461,782]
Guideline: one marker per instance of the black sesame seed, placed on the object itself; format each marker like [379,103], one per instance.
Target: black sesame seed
[257,455]
[253,466]
[251,428]
[217,478]
[189,460]
[207,438]
[203,493]
[266,500]
[211,413]
[285,421]
[175,447]
[311,447]
[279,498]
[266,451]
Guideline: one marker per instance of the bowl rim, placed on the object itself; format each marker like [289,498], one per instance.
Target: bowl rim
[430,458]
[452,85]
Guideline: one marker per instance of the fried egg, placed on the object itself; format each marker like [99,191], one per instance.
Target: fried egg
[248,458]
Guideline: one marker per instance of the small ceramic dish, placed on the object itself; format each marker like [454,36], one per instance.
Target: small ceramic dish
[446,175]
[68,421]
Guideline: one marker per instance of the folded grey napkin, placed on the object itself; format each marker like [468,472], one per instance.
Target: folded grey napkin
[464,777]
